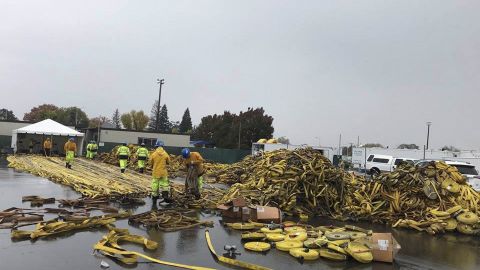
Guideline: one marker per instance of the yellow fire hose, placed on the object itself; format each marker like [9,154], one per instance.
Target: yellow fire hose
[234,262]
[130,257]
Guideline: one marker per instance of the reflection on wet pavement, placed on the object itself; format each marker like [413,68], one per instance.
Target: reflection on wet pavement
[74,251]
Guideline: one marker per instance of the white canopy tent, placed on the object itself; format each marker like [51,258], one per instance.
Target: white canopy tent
[47,128]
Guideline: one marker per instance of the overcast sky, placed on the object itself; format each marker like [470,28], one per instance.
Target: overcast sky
[374,69]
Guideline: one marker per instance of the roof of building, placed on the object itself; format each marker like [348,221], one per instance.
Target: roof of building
[48,127]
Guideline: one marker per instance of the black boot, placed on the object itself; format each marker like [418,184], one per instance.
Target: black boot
[66,165]
[141,170]
[70,166]
[122,170]
[166,197]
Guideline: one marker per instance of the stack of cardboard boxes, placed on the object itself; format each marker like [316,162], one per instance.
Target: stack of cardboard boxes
[237,210]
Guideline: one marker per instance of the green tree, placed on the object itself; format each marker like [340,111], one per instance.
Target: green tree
[98,121]
[372,145]
[408,146]
[7,115]
[224,130]
[175,126]
[163,123]
[154,123]
[186,124]
[116,119]
[70,116]
[139,120]
[42,112]
[73,116]
[127,121]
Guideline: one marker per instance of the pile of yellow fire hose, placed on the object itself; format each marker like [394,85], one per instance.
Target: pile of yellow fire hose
[109,246]
[100,180]
[87,177]
[310,243]
[303,181]
[175,168]
[54,226]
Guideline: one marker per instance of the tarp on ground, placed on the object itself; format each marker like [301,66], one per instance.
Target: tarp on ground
[47,127]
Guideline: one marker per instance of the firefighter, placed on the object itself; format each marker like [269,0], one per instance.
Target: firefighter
[70,148]
[123,154]
[142,155]
[159,160]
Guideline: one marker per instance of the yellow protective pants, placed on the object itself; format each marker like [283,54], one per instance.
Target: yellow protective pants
[141,164]
[123,163]
[69,156]
[89,154]
[160,183]
[200,183]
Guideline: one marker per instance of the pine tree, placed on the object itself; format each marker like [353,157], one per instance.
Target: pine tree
[116,119]
[163,123]
[153,124]
[186,124]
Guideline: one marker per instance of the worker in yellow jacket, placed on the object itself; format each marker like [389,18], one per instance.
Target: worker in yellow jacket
[196,160]
[159,160]
[92,149]
[70,148]
[123,154]
[47,147]
[142,156]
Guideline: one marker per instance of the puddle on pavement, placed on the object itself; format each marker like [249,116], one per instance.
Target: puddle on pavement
[74,251]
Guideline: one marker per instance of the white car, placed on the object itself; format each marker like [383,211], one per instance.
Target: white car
[465,168]
[383,163]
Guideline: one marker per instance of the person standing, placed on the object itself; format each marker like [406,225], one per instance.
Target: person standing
[70,148]
[30,146]
[159,160]
[89,152]
[123,154]
[47,147]
[94,149]
[142,155]
[196,160]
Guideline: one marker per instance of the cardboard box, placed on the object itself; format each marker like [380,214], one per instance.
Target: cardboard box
[233,209]
[384,247]
[266,214]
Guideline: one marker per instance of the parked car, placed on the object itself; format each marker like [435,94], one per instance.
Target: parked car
[383,163]
[465,168]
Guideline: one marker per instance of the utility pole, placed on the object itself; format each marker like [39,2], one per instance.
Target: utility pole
[428,132]
[339,145]
[157,124]
[358,141]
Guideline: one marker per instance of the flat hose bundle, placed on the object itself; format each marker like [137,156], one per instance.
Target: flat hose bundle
[91,179]
[109,246]
[168,220]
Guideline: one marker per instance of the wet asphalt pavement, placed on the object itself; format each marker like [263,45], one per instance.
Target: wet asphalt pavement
[74,251]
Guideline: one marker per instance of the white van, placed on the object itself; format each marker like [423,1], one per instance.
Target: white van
[383,163]
[379,163]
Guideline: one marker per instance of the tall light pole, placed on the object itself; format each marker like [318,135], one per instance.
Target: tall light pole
[428,132]
[157,124]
